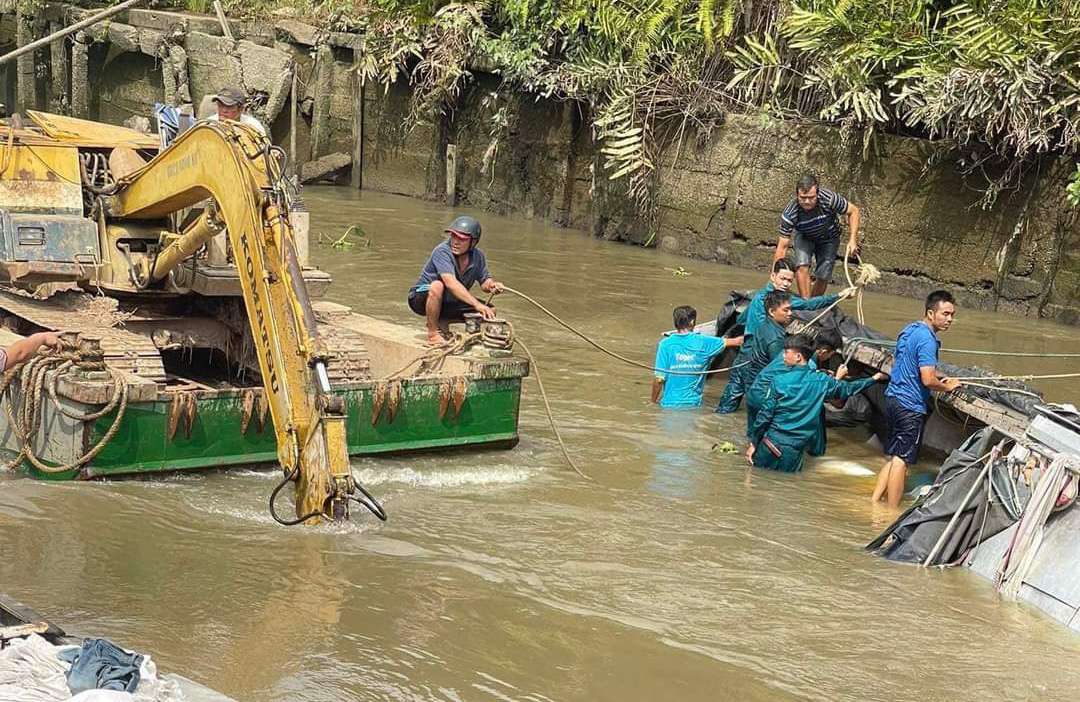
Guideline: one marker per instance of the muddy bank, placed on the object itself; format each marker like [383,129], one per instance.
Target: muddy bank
[719,198]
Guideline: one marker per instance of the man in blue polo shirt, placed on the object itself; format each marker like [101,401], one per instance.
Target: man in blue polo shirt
[682,359]
[441,295]
[914,375]
[812,219]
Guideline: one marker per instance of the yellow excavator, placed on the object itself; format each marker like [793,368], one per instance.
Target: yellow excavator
[139,222]
[238,169]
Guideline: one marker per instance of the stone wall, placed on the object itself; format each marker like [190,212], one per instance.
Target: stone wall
[718,200]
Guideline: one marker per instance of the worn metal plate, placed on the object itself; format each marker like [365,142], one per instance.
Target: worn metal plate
[88,133]
[42,179]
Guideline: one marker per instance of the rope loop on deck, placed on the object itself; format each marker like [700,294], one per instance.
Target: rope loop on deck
[37,376]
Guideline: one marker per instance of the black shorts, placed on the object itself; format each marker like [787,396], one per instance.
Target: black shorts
[453,309]
[905,431]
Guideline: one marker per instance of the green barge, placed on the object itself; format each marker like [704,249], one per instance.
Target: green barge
[195,331]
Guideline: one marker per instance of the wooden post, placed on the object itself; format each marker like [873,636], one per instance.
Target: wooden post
[26,81]
[320,111]
[224,22]
[356,176]
[58,73]
[451,175]
[293,114]
[82,24]
[80,78]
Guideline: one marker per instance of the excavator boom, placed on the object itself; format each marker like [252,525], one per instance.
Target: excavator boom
[237,168]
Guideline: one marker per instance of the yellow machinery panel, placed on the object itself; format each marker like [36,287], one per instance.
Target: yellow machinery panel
[41,179]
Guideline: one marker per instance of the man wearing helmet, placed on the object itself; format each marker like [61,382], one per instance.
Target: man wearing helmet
[442,292]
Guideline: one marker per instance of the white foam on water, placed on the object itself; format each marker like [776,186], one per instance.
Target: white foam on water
[836,466]
[499,475]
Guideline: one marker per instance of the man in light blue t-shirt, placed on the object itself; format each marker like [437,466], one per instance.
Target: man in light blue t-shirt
[914,375]
[682,359]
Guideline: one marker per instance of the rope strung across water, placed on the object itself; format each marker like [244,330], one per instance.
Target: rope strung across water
[38,376]
[547,408]
[974,352]
[600,347]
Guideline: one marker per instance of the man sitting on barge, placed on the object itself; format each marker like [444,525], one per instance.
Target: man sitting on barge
[24,349]
[914,375]
[441,295]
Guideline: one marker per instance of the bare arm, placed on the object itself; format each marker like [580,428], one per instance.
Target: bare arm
[491,286]
[930,379]
[853,226]
[25,348]
[733,341]
[657,389]
[462,293]
[781,249]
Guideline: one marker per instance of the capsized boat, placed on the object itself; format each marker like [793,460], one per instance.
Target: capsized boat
[1004,500]
[195,337]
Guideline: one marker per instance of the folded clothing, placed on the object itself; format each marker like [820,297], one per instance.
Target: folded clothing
[101,664]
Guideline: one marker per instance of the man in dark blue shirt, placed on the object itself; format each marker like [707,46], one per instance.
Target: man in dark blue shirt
[442,292]
[914,375]
[812,219]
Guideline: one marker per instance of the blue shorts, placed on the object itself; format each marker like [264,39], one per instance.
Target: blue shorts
[905,431]
[822,251]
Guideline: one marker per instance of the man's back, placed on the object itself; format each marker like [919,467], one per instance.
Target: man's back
[792,412]
[768,344]
[686,353]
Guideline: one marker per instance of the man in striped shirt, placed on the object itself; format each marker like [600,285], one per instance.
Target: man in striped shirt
[812,218]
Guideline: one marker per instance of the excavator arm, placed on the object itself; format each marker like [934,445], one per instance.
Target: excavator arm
[235,166]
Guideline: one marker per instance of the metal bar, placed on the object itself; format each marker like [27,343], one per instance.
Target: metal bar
[93,19]
[224,22]
[960,509]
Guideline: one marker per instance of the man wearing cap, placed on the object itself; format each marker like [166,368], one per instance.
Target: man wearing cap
[442,292]
[230,105]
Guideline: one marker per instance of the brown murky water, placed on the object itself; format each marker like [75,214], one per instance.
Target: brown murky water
[677,574]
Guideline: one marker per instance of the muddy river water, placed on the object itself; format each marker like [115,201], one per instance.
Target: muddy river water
[676,574]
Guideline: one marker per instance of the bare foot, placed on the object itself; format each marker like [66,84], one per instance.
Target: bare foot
[435,338]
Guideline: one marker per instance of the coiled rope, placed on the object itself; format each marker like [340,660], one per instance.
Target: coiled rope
[37,377]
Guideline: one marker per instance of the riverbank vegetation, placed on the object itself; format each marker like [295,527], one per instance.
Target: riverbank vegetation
[996,83]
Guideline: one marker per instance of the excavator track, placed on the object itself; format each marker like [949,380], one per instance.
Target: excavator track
[124,350]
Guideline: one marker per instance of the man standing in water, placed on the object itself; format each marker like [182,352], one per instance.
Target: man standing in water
[789,423]
[682,359]
[781,278]
[914,375]
[441,295]
[812,219]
